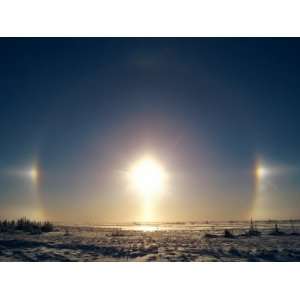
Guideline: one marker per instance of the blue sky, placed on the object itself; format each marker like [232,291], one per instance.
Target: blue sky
[82,110]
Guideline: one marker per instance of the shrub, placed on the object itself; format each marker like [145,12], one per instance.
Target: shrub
[276,230]
[252,230]
[209,235]
[47,227]
[228,234]
[26,225]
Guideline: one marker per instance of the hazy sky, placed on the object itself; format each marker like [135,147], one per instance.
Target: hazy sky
[82,111]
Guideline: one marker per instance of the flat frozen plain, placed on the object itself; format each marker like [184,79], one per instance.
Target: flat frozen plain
[155,242]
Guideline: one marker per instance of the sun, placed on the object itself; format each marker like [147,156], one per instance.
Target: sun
[148,178]
[261,172]
[33,174]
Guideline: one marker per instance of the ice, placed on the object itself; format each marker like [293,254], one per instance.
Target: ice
[191,241]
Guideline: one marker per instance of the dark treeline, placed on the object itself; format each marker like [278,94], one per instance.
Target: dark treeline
[26,225]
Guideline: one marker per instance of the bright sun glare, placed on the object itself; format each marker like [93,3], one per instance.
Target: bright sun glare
[261,172]
[33,174]
[148,178]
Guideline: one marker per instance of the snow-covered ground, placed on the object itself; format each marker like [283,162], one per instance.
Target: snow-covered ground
[154,242]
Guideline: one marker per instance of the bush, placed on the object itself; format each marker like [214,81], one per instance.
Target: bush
[252,230]
[209,235]
[7,226]
[228,234]
[26,225]
[47,227]
[276,230]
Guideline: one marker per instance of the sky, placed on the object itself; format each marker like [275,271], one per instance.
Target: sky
[219,115]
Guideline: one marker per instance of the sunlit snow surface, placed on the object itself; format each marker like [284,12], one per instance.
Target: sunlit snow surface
[155,242]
